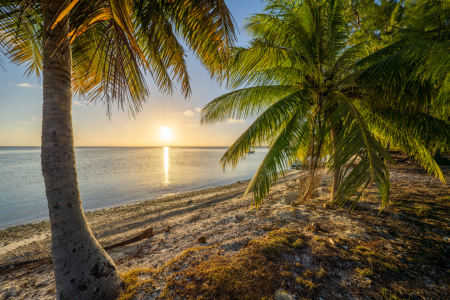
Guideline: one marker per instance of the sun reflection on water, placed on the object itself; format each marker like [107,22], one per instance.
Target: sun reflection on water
[166,166]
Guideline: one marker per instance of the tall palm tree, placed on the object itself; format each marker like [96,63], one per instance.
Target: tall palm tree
[99,50]
[300,79]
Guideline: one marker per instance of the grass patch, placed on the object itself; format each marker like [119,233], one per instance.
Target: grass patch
[364,272]
[321,273]
[255,270]
[134,286]
[307,284]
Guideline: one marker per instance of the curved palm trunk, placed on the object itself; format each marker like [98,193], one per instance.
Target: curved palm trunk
[83,270]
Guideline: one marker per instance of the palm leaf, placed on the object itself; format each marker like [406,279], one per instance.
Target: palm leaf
[243,103]
[282,152]
[355,137]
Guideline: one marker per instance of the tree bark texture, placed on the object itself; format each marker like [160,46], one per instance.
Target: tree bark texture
[83,270]
[337,174]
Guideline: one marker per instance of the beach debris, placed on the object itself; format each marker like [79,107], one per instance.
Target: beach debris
[190,202]
[144,235]
[195,217]
[202,240]
[314,227]
[446,239]
[283,295]
[239,217]
[284,201]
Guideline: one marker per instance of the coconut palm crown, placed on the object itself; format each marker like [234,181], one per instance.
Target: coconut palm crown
[297,79]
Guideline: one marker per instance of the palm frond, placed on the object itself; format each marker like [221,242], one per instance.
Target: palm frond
[262,129]
[206,26]
[264,57]
[408,131]
[282,152]
[21,34]
[243,103]
[355,137]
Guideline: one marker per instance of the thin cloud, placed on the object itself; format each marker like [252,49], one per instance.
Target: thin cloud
[189,113]
[36,119]
[27,85]
[233,121]
[193,125]
[77,103]
[198,109]
[27,123]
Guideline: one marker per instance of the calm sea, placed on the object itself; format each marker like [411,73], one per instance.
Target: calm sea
[114,176]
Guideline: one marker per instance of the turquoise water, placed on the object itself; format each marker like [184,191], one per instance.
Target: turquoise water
[114,176]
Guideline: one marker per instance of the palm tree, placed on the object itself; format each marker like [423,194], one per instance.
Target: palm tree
[300,80]
[99,50]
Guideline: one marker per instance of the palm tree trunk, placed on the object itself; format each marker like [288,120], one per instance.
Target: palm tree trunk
[437,151]
[83,270]
[337,173]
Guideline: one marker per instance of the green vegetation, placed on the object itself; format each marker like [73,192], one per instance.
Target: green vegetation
[307,284]
[364,272]
[327,88]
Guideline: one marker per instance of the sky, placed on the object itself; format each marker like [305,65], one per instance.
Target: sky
[21,109]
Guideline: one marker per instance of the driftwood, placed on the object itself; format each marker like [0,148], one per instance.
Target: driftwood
[37,262]
[144,235]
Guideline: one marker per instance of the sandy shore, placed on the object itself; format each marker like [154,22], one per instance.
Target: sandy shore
[223,217]
[126,218]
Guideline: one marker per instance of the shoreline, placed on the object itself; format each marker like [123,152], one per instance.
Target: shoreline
[16,236]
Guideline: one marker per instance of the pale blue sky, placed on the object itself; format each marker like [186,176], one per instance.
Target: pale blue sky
[21,109]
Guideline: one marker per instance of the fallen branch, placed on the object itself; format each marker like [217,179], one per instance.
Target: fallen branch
[144,235]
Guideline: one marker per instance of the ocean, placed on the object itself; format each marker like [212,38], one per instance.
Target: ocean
[113,176]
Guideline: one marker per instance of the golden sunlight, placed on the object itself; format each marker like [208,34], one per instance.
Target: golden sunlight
[166,133]
[166,166]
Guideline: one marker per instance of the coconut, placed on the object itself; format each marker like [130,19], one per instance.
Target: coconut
[333,89]
[324,90]
[329,83]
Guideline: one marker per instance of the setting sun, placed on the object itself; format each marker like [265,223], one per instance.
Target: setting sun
[166,133]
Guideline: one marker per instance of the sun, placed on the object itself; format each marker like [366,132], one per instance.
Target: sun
[166,133]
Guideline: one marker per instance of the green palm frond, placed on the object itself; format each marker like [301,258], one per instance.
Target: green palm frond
[115,41]
[263,57]
[355,137]
[98,79]
[282,152]
[107,59]
[21,35]
[273,119]
[206,26]
[161,47]
[409,131]
[243,103]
